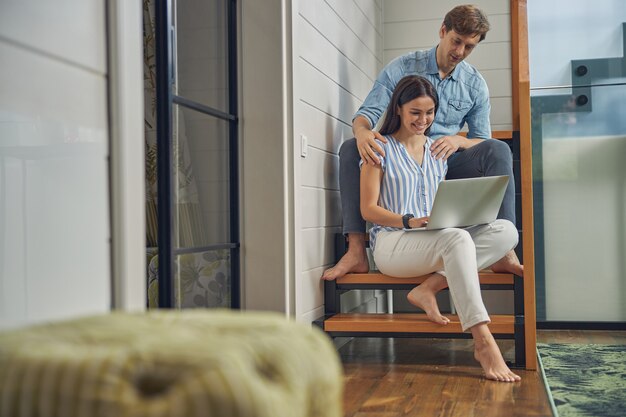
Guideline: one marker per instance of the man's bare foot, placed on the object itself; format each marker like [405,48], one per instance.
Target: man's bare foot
[352,261]
[355,259]
[509,263]
[423,296]
[486,352]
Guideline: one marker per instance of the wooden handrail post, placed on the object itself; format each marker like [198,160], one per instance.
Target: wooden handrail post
[522,123]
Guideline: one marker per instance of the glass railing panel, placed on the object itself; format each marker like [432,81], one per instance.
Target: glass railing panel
[575,42]
[580,204]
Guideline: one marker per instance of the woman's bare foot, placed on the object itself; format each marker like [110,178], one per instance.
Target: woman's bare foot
[423,296]
[486,352]
[509,263]
[355,259]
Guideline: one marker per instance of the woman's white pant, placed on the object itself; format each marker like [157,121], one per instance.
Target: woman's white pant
[458,254]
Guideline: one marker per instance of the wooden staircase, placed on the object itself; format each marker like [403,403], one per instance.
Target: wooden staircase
[338,324]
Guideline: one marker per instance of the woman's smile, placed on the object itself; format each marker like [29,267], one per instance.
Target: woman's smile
[419,127]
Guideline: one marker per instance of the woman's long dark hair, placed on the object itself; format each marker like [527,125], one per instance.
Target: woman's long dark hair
[409,88]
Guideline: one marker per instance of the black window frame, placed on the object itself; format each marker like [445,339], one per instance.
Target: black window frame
[164,105]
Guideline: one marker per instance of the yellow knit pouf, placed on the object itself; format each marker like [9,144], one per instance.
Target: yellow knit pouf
[170,363]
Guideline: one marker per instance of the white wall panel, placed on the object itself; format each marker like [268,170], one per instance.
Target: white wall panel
[490,56]
[320,207]
[35,84]
[320,247]
[337,53]
[322,130]
[499,82]
[501,110]
[321,92]
[312,294]
[320,169]
[267,270]
[358,23]
[415,33]
[332,63]
[309,316]
[504,126]
[13,261]
[371,10]
[423,34]
[401,10]
[73,30]
[392,53]
[500,28]
[55,147]
[320,15]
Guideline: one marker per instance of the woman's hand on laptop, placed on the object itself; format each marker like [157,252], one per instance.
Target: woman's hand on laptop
[416,222]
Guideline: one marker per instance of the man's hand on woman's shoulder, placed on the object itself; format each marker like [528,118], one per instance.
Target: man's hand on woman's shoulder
[445,146]
[366,141]
[368,147]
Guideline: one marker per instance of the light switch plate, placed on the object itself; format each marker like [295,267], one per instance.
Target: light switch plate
[304,146]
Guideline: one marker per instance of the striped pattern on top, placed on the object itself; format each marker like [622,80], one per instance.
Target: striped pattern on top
[407,187]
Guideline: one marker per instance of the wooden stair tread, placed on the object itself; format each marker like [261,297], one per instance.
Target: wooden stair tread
[408,323]
[485,277]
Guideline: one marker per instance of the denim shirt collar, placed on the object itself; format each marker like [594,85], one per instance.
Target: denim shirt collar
[431,65]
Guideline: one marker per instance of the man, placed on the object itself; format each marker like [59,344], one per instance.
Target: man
[463,97]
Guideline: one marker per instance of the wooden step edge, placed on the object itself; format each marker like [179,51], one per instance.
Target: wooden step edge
[408,323]
[485,277]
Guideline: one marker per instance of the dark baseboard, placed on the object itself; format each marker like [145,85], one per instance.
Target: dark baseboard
[581,325]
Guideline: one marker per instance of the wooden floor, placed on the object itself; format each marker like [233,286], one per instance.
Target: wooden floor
[439,377]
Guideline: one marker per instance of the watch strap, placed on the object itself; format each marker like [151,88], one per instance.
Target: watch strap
[405,220]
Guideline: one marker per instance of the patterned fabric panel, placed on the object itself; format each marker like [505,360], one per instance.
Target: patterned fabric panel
[175,363]
[202,279]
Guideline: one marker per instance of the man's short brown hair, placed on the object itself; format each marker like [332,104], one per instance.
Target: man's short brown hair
[467,20]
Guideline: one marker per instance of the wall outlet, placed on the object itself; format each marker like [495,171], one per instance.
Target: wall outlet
[304,146]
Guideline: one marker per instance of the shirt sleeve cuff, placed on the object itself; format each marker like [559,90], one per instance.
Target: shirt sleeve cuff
[367,116]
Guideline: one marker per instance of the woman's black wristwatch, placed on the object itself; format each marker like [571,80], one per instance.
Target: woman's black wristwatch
[405,220]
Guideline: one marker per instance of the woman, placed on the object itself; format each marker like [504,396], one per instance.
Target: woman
[399,194]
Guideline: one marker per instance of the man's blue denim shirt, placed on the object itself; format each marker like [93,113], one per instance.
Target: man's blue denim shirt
[463,95]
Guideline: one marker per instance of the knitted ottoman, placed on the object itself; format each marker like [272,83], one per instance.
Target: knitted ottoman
[170,363]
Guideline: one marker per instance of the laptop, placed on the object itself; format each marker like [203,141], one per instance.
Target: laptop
[466,202]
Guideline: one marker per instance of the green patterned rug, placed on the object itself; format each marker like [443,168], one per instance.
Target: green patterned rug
[585,380]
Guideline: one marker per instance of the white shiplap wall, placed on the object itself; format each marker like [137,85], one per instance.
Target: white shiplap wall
[337,53]
[411,24]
